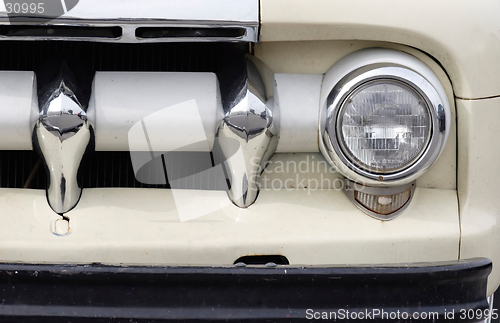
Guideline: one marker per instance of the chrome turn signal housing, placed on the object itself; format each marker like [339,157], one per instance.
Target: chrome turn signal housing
[380,203]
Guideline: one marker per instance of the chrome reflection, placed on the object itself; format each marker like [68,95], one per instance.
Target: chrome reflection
[62,135]
[250,119]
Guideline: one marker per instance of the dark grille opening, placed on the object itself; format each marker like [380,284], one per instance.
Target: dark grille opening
[104,169]
[46,31]
[162,57]
[113,169]
[15,168]
[189,32]
[262,260]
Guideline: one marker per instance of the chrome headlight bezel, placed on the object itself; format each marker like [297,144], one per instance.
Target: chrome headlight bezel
[396,71]
[341,114]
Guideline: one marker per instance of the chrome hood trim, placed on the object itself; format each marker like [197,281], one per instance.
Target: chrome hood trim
[181,20]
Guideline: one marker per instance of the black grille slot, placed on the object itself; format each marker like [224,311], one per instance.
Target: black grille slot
[46,31]
[104,169]
[109,169]
[162,57]
[189,32]
[15,168]
[115,169]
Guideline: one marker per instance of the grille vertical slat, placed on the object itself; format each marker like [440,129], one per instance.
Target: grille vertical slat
[15,168]
[110,169]
[114,169]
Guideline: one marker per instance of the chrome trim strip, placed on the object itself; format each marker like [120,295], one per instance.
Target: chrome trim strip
[130,15]
[129,33]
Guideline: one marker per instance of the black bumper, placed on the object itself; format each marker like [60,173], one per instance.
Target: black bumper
[96,293]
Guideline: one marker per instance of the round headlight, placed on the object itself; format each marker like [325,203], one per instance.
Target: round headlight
[385,123]
[384,126]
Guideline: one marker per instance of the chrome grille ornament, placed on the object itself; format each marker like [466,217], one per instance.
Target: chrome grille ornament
[62,135]
[250,120]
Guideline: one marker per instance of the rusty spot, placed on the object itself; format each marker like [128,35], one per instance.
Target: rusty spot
[380,178]
[62,226]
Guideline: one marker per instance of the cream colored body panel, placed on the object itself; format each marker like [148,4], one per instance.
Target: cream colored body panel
[292,170]
[464,36]
[478,182]
[467,49]
[142,226]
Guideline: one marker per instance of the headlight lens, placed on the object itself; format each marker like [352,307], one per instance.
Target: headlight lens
[384,126]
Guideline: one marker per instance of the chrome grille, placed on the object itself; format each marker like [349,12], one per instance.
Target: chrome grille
[104,169]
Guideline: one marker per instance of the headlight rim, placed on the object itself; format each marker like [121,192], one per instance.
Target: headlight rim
[378,72]
[341,139]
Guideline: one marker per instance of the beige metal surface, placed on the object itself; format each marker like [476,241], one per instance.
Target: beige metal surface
[464,36]
[478,182]
[142,226]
